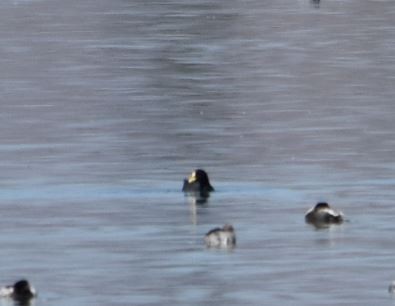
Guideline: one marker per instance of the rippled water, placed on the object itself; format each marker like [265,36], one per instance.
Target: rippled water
[107,105]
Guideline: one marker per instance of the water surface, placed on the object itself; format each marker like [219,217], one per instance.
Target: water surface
[107,105]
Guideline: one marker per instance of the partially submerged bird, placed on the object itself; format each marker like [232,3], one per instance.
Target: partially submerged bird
[198,183]
[323,215]
[21,292]
[221,237]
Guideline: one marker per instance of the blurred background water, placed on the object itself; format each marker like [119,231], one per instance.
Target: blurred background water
[107,105]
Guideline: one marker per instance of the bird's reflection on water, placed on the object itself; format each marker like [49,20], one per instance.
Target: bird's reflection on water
[196,200]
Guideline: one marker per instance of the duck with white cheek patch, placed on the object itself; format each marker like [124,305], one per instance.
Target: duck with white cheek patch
[21,292]
[323,215]
[224,237]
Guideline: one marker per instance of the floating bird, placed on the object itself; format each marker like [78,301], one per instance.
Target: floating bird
[21,292]
[315,3]
[198,183]
[221,237]
[323,215]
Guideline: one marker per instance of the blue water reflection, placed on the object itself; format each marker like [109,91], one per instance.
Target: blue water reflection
[107,104]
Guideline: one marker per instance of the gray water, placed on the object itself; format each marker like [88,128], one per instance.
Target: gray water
[107,105]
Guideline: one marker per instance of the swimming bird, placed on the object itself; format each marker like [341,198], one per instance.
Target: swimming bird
[21,291]
[198,182]
[221,237]
[323,215]
[315,3]
[391,288]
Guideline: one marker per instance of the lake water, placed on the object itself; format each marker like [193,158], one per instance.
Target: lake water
[107,105]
